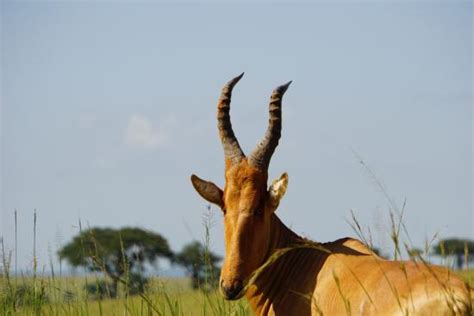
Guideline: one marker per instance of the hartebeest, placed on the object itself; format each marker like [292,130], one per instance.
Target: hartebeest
[308,278]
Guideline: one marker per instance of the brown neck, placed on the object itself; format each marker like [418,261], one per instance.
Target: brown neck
[262,294]
[281,236]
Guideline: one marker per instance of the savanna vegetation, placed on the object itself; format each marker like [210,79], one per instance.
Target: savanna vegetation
[117,284]
[119,280]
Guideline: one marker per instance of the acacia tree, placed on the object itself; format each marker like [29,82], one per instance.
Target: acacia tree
[415,253]
[461,249]
[116,251]
[200,263]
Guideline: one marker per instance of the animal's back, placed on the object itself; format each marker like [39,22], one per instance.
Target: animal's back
[355,281]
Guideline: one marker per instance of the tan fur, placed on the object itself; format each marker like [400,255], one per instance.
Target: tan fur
[350,279]
[343,277]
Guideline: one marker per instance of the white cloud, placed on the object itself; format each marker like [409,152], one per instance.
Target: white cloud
[141,133]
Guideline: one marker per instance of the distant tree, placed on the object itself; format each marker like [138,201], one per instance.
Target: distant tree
[379,252]
[415,253]
[376,250]
[116,252]
[461,249]
[200,263]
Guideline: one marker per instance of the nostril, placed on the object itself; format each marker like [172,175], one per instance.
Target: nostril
[232,290]
[237,285]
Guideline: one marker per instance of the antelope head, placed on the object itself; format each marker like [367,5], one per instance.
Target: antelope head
[248,205]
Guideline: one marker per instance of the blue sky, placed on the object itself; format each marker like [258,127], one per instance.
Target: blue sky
[107,108]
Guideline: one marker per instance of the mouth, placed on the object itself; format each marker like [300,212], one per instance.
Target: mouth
[233,293]
[232,297]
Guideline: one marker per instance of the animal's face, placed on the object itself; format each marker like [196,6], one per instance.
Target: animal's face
[248,207]
[247,204]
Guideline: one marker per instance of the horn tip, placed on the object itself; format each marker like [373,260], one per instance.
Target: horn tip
[282,89]
[234,81]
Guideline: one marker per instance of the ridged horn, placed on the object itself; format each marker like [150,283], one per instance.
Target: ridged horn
[260,157]
[231,146]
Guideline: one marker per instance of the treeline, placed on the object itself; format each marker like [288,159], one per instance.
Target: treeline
[461,250]
[123,254]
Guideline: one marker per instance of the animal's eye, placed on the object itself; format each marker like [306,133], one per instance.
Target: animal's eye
[258,212]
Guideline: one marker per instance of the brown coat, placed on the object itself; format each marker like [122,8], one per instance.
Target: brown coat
[339,278]
[344,277]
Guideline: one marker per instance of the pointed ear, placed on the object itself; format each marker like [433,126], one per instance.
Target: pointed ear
[208,190]
[277,190]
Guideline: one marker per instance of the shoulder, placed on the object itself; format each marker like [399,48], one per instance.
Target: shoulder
[351,243]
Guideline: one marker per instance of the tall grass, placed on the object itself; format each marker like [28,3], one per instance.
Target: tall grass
[37,294]
[23,294]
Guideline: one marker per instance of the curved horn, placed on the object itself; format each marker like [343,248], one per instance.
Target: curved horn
[231,146]
[262,154]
